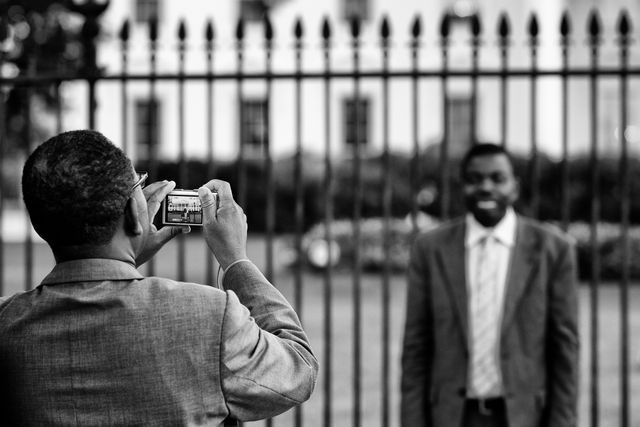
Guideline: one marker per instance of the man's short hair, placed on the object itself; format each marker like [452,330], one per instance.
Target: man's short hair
[76,186]
[483,149]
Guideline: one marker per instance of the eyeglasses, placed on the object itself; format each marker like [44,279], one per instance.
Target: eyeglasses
[142,177]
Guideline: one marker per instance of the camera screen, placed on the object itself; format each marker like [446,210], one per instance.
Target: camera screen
[182,209]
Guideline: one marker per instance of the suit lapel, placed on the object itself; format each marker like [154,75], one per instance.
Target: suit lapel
[451,255]
[524,263]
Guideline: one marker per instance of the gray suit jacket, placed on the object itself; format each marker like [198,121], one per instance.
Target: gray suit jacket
[98,344]
[539,340]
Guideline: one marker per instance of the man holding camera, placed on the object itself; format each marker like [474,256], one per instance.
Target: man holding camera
[96,343]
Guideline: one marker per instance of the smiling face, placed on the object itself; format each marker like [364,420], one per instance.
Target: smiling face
[490,187]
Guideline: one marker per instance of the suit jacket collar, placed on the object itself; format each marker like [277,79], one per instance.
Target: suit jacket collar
[521,268]
[90,270]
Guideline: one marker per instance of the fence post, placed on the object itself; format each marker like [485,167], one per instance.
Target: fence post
[328,219]
[4,35]
[624,29]
[594,42]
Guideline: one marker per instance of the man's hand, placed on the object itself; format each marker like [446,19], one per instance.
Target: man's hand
[225,224]
[156,239]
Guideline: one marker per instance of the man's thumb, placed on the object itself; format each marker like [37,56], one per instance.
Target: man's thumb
[208,201]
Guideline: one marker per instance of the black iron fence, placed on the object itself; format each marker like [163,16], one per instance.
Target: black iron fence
[549,184]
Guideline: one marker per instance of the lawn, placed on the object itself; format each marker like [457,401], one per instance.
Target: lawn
[312,312]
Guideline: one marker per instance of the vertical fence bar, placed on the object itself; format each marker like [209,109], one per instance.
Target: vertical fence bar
[124,96]
[242,170]
[299,184]
[91,11]
[152,115]
[28,246]
[357,211]
[443,167]
[387,195]
[565,30]
[4,33]
[268,161]
[594,40]
[534,173]
[27,135]
[182,169]
[271,190]
[416,30]
[328,219]
[210,261]
[476,28]
[503,40]
[624,28]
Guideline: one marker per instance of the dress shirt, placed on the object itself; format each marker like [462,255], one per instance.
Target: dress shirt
[502,239]
[99,344]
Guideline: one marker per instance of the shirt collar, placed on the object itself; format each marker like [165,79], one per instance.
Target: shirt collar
[90,270]
[504,231]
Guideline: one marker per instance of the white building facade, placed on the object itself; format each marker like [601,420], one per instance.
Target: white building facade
[237,110]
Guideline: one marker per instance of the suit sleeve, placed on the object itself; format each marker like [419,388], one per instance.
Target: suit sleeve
[415,388]
[267,363]
[563,357]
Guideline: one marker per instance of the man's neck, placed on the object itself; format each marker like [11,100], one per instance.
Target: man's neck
[106,251]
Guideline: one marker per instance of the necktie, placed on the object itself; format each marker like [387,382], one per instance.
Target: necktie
[484,372]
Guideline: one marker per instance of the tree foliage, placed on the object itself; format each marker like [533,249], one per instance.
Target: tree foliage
[39,38]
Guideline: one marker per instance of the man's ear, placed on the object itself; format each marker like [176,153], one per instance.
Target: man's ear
[131,218]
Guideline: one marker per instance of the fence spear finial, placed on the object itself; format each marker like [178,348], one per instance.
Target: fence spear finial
[476,27]
[594,26]
[124,31]
[565,25]
[533,26]
[297,29]
[385,28]
[355,27]
[503,26]
[416,28]
[153,28]
[445,26]
[182,30]
[240,29]
[326,29]
[209,32]
[268,29]
[624,25]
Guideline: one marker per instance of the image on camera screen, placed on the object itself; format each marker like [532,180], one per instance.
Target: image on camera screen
[182,209]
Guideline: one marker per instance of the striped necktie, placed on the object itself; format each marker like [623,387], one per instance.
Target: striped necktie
[484,371]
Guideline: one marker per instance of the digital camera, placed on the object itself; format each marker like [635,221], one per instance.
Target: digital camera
[183,207]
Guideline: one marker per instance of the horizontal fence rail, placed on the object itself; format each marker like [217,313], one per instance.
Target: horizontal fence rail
[373,188]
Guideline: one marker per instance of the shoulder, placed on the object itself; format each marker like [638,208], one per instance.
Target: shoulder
[444,232]
[179,294]
[546,231]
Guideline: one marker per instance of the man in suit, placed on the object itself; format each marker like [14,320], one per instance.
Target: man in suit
[97,343]
[491,334]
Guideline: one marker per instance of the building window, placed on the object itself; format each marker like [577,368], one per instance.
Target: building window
[253,10]
[147,126]
[147,10]
[356,9]
[356,121]
[253,124]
